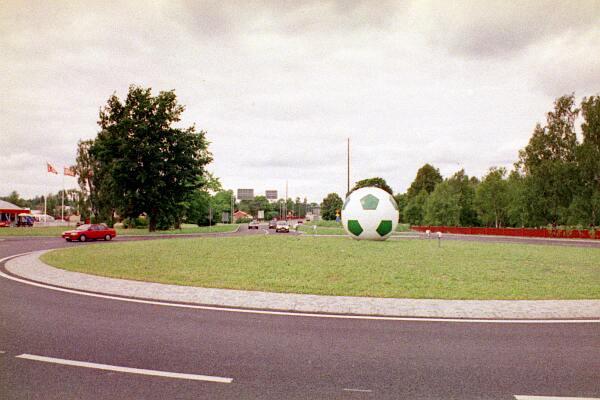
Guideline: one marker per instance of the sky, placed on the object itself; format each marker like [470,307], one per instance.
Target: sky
[279,86]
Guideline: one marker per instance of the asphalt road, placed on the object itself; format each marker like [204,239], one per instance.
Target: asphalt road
[275,357]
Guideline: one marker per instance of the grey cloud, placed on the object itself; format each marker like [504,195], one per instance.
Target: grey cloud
[279,86]
[500,28]
[569,65]
[218,19]
[289,158]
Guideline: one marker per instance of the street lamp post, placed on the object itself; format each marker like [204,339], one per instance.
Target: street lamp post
[232,206]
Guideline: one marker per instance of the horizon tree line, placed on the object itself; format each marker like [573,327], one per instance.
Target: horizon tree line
[555,181]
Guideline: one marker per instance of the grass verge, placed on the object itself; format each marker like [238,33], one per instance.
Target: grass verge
[340,266]
[58,230]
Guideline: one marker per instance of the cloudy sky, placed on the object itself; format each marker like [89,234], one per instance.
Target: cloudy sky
[279,86]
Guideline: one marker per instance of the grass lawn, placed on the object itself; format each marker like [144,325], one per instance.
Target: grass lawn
[340,266]
[58,230]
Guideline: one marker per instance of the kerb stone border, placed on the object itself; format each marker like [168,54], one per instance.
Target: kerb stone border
[31,267]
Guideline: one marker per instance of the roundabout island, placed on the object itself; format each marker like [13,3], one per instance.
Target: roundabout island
[131,345]
[337,266]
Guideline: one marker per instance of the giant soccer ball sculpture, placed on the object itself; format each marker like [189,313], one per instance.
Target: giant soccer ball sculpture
[370,213]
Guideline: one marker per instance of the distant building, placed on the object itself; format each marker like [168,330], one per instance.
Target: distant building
[9,212]
[314,214]
[245,194]
[240,215]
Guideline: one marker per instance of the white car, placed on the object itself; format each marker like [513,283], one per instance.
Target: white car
[282,226]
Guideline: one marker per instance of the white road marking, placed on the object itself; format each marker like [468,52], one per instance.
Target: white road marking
[358,390]
[2,352]
[128,370]
[520,397]
[293,314]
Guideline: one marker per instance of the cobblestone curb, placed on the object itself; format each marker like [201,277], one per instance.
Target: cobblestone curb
[30,267]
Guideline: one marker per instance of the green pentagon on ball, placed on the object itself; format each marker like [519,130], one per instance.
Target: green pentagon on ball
[384,227]
[354,227]
[369,202]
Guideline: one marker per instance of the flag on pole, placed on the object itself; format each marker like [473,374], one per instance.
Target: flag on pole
[51,169]
[69,171]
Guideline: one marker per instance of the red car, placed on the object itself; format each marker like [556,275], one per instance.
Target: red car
[90,232]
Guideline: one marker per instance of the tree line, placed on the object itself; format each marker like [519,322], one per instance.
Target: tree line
[555,181]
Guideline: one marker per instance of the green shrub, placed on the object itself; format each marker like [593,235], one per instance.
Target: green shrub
[133,223]
[204,221]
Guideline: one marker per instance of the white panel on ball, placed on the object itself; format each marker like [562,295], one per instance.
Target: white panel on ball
[370,213]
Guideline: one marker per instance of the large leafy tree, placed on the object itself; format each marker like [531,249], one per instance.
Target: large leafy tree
[199,208]
[463,188]
[414,210]
[427,177]
[585,208]
[373,182]
[153,166]
[221,202]
[492,198]
[549,163]
[402,201]
[517,210]
[331,204]
[443,206]
[95,184]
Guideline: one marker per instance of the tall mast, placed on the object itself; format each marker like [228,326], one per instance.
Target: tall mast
[348,169]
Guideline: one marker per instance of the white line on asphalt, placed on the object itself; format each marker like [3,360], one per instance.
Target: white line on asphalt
[292,314]
[358,390]
[520,397]
[2,352]
[128,370]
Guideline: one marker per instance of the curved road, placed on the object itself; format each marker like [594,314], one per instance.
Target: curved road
[274,357]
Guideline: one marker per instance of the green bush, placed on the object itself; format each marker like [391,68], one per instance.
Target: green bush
[271,214]
[244,220]
[133,223]
[403,228]
[204,221]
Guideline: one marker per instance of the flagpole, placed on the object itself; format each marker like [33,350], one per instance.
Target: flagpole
[45,198]
[62,207]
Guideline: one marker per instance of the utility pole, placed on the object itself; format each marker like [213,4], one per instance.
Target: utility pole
[285,203]
[348,169]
